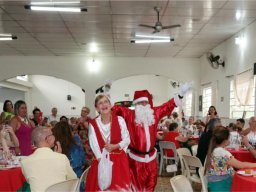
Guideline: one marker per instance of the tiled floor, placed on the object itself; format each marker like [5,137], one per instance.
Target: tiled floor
[164,185]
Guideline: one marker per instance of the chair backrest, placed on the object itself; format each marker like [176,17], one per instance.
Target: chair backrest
[194,149]
[182,151]
[203,179]
[65,186]
[192,161]
[181,183]
[168,145]
[82,178]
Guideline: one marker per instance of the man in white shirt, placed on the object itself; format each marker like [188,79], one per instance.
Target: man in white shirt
[54,116]
[44,167]
[190,127]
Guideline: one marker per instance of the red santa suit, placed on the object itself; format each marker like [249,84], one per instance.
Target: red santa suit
[142,154]
[114,133]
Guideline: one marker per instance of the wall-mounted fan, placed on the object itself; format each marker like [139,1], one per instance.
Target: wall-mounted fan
[215,61]
[158,25]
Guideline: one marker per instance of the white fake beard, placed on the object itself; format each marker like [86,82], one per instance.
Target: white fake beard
[144,115]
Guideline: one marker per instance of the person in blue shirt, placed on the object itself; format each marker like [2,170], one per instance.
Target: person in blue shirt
[71,146]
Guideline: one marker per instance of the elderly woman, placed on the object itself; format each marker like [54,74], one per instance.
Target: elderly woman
[110,132]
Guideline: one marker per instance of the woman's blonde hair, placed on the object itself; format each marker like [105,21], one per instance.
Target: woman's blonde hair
[99,97]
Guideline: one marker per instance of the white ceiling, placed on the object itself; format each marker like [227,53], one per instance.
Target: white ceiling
[111,24]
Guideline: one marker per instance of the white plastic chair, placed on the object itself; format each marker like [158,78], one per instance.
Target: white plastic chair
[203,180]
[65,186]
[192,162]
[180,183]
[194,149]
[167,145]
[183,151]
[82,178]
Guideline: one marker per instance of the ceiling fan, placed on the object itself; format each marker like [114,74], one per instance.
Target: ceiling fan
[158,25]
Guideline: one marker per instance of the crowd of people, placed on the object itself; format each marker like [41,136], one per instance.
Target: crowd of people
[64,147]
[215,141]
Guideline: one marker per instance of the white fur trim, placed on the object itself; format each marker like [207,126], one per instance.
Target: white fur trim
[140,99]
[145,159]
[177,101]
[146,128]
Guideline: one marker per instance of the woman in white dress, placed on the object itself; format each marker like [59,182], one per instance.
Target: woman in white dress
[110,132]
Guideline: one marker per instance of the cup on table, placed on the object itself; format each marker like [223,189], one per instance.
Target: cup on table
[236,147]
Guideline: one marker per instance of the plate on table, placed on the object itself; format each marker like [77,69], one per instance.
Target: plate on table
[245,174]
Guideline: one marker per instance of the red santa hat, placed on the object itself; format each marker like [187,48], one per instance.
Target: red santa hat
[142,95]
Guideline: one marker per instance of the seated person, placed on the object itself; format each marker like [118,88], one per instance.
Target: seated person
[240,124]
[200,126]
[234,138]
[45,167]
[252,133]
[64,119]
[173,136]
[71,146]
[249,146]
[8,139]
[37,117]
[220,163]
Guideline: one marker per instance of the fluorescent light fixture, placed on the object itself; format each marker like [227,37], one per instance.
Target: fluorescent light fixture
[22,77]
[151,40]
[7,37]
[152,36]
[60,9]
[54,2]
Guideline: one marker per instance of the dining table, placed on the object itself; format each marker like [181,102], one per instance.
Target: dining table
[244,182]
[11,179]
[242,154]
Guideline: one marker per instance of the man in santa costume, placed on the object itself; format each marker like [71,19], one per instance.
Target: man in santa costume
[142,125]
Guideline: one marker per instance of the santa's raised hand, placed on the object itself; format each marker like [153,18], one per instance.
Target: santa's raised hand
[184,88]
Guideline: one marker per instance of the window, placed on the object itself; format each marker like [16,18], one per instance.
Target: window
[207,99]
[188,104]
[238,111]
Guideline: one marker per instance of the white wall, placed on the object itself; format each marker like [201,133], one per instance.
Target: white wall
[45,92]
[237,60]
[10,94]
[48,92]
[75,69]
[158,86]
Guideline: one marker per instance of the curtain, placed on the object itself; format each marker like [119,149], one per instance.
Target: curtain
[243,83]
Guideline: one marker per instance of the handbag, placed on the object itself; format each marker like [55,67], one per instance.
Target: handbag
[171,168]
[105,170]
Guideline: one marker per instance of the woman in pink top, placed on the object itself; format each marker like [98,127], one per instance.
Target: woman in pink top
[23,128]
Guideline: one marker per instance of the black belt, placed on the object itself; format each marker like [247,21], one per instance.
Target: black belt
[141,152]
